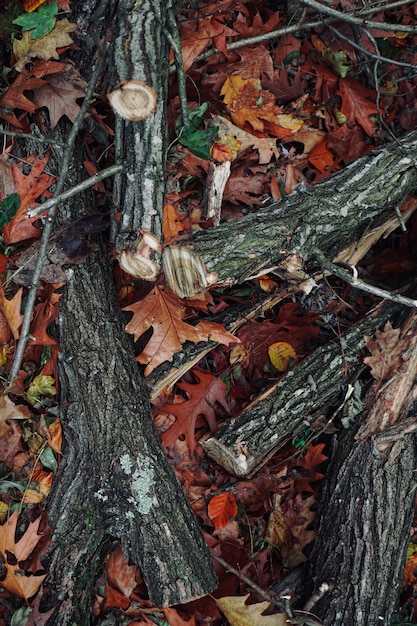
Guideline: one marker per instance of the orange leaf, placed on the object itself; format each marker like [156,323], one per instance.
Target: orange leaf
[164,312]
[14,97]
[221,509]
[55,432]
[29,187]
[202,398]
[11,309]
[23,584]
[120,574]
[358,103]
[32,5]
[171,226]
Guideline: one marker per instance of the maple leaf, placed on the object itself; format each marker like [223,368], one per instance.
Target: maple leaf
[29,187]
[358,103]
[60,98]
[23,584]
[240,614]
[202,398]
[386,352]
[164,312]
[45,47]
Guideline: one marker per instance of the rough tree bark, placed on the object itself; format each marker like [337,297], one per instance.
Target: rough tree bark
[115,479]
[328,217]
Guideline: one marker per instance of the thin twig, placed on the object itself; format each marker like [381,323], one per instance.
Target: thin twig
[173,37]
[264,594]
[300,25]
[352,19]
[378,57]
[66,195]
[352,279]
[12,133]
[30,301]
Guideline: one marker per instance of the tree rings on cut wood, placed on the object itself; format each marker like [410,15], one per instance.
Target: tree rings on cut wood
[185,272]
[133,100]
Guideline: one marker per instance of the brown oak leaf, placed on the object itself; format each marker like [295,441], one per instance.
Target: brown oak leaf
[385,352]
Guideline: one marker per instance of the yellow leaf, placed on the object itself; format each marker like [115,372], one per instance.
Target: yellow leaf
[41,386]
[45,47]
[3,511]
[240,614]
[282,355]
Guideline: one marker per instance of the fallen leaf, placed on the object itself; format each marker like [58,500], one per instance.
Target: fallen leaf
[222,508]
[358,103]
[23,584]
[120,574]
[385,351]
[240,614]
[282,355]
[202,398]
[163,311]
[10,411]
[14,97]
[45,47]
[59,97]
[29,187]
[12,311]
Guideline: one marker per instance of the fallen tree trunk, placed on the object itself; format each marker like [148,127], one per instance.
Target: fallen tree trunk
[369,502]
[247,441]
[332,217]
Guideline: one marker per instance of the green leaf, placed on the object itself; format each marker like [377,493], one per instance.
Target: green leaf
[338,61]
[21,616]
[199,141]
[8,208]
[40,22]
[48,459]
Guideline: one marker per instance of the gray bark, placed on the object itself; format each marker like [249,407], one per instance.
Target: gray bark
[367,511]
[247,441]
[328,217]
[115,479]
[140,51]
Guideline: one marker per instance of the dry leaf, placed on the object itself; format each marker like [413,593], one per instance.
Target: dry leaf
[385,351]
[240,614]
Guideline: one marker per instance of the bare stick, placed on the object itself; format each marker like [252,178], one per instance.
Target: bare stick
[353,280]
[378,57]
[352,19]
[85,184]
[12,133]
[30,302]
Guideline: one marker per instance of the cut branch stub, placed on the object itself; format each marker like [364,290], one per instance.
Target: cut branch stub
[133,100]
[185,272]
[137,260]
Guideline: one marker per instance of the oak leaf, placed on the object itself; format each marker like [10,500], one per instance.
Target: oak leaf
[358,103]
[60,98]
[120,574]
[240,614]
[23,584]
[201,400]
[14,97]
[385,351]
[164,312]
[12,311]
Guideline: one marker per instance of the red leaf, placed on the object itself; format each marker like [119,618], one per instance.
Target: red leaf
[202,398]
[221,509]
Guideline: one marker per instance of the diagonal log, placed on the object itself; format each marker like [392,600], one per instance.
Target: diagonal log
[247,441]
[331,216]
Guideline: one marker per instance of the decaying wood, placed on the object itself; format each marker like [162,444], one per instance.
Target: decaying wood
[330,217]
[247,441]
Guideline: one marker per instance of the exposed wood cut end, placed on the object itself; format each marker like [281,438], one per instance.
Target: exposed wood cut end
[133,100]
[138,262]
